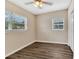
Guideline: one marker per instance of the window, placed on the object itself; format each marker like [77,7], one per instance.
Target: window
[58,23]
[14,21]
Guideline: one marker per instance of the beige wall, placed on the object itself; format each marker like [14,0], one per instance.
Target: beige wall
[44,25]
[18,39]
[71,26]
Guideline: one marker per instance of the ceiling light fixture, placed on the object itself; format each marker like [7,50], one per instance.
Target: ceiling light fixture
[38,4]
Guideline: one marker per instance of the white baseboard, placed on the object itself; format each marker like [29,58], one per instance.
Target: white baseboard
[51,42]
[71,47]
[19,48]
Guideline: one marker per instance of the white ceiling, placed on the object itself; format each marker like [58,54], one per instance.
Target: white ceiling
[57,5]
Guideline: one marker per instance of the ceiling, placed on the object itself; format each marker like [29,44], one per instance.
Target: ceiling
[57,5]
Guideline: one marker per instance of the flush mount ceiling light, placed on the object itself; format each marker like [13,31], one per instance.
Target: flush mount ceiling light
[38,3]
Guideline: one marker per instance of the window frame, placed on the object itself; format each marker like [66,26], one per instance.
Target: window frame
[53,23]
[25,23]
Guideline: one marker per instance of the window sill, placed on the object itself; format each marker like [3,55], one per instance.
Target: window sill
[58,30]
[16,30]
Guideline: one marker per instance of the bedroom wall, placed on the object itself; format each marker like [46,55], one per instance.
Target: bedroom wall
[44,25]
[71,26]
[16,40]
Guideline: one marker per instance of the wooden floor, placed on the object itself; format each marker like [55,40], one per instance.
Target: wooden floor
[43,51]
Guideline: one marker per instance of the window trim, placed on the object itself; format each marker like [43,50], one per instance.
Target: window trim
[53,21]
[18,30]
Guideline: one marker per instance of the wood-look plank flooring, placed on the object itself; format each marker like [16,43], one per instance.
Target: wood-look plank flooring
[43,51]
